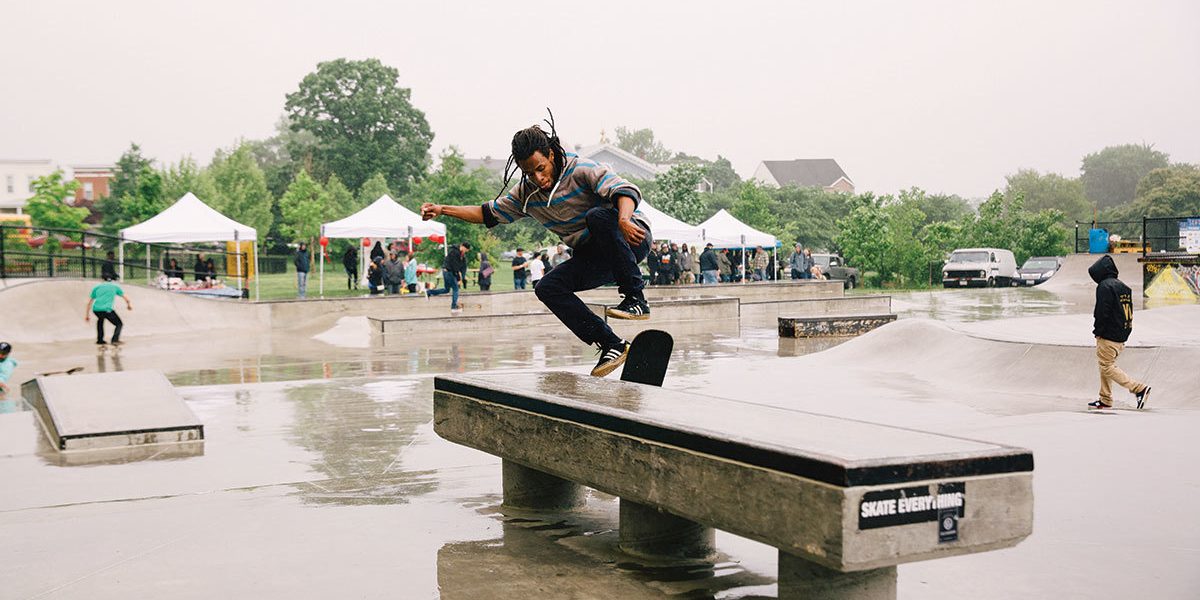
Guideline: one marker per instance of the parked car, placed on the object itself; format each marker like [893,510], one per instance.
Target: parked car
[980,267]
[834,266]
[1038,269]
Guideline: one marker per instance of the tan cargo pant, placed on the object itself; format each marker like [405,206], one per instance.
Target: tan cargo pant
[1107,352]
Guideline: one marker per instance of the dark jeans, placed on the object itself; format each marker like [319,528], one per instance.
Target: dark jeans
[393,288]
[352,279]
[412,288]
[518,283]
[450,283]
[605,258]
[108,316]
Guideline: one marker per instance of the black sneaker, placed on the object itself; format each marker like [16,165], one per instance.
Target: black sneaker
[1098,405]
[633,307]
[611,357]
[101,343]
[1142,396]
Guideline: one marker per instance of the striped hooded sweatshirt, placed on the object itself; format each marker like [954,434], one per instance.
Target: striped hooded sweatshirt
[584,184]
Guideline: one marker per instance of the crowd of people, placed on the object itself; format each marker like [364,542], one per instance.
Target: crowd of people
[675,264]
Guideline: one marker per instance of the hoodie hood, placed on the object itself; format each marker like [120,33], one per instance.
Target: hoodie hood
[1103,269]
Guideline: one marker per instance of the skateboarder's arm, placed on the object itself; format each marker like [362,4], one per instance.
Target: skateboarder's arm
[87,312]
[633,234]
[470,214]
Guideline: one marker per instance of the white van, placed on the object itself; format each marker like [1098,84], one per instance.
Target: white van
[980,267]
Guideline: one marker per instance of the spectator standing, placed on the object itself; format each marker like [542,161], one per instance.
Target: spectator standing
[452,269]
[709,266]
[796,263]
[653,262]
[302,262]
[393,273]
[760,264]
[410,273]
[686,264]
[375,276]
[100,303]
[350,263]
[520,273]
[561,254]
[724,266]
[108,270]
[377,252]
[676,266]
[537,269]
[485,273]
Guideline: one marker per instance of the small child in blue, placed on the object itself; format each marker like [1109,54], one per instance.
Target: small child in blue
[7,365]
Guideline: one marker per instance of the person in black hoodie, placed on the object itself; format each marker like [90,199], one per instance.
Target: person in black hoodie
[1113,324]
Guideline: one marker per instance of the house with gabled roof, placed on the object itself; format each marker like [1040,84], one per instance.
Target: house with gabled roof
[627,164]
[824,173]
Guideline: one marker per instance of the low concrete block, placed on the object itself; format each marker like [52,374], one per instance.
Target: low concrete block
[702,308]
[109,410]
[831,326]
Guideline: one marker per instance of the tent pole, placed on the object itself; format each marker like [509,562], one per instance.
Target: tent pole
[237,257]
[147,263]
[321,278]
[121,258]
[776,260]
[743,258]
[257,274]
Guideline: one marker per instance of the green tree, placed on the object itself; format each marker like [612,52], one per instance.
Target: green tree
[675,193]
[186,176]
[808,215]
[303,208]
[241,186]
[363,123]
[1170,192]
[283,155]
[1110,176]
[372,190]
[862,236]
[753,207]
[452,184]
[341,201]
[937,207]
[1051,191]
[641,143]
[48,207]
[136,193]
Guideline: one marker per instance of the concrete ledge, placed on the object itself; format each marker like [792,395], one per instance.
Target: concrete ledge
[816,487]
[464,322]
[831,326]
[111,410]
[702,308]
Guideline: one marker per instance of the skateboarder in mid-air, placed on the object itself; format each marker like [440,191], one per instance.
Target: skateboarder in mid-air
[100,303]
[593,210]
[1113,324]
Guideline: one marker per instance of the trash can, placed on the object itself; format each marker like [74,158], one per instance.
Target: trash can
[1097,241]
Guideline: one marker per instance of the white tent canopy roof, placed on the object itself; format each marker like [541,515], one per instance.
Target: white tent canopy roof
[723,230]
[666,227]
[188,220]
[383,218]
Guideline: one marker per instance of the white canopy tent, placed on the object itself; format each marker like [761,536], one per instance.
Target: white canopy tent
[723,230]
[666,227]
[383,218]
[190,220]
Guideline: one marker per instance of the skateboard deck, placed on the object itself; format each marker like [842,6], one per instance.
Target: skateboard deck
[649,355]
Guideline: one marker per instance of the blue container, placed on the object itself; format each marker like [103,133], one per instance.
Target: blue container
[1098,241]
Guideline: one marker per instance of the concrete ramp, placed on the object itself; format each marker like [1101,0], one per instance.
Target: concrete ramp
[1073,275]
[47,311]
[111,410]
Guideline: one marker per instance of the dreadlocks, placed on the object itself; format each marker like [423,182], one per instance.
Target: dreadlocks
[534,139]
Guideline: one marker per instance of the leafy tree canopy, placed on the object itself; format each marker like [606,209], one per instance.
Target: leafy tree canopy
[241,186]
[363,123]
[675,193]
[48,206]
[1110,176]
[641,143]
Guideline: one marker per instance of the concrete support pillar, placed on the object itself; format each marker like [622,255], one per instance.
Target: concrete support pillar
[530,489]
[651,533]
[799,578]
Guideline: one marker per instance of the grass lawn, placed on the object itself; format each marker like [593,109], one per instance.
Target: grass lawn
[282,286]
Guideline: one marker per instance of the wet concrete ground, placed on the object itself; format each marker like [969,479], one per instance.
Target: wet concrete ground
[321,477]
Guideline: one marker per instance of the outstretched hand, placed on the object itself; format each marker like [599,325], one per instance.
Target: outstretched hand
[633,234]
[430,210]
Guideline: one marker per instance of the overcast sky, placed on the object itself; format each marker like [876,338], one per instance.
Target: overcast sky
[948,96]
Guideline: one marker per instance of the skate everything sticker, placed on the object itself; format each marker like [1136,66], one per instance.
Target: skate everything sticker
[902,506]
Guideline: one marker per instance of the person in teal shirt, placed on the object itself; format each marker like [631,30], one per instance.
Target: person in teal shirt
[410,273]
[101,304]
[7,365]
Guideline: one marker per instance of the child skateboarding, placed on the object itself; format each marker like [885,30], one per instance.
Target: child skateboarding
[1113,324]
[100,303]
[592,209]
